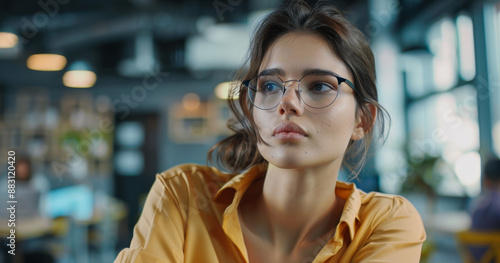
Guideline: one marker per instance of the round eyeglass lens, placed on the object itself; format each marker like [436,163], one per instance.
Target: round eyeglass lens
[319,90]
[266,91]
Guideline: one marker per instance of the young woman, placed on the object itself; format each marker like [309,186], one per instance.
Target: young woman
[307,107]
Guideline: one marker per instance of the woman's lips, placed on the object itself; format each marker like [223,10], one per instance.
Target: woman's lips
[289,131]
[289,136]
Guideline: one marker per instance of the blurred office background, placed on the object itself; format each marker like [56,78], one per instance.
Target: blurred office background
[99,96]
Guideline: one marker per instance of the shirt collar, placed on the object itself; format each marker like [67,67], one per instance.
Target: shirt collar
[350,214]
[240,183]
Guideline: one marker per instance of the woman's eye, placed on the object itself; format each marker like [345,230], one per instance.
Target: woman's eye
[321,87]
[270,87]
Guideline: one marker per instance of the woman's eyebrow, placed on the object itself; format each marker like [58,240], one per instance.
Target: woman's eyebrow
[281,72]
[273,71]
[317,71]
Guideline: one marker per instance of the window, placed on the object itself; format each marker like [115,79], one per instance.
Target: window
[493,38]
[441,40]
[446,125]
[442,110]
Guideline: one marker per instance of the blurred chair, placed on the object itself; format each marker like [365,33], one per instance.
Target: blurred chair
[468,241]
[428,249]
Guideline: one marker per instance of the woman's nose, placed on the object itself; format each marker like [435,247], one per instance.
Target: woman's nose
[291,102]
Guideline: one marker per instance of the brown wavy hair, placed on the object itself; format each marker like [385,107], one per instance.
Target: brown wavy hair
[238,152]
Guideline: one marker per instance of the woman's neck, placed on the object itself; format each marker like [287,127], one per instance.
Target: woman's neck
[297,207]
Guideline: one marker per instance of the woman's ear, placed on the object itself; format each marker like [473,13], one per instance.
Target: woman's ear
[364,122]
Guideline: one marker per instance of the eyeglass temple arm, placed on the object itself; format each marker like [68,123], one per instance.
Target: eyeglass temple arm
[346,81]
[246,83]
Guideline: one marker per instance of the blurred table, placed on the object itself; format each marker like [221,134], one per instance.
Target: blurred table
[29,228]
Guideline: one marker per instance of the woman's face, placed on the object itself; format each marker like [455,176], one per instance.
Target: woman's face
[297,135]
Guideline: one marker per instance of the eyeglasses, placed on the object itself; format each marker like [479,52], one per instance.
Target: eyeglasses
[316,90]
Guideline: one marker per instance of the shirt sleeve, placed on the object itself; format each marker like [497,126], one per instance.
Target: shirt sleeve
[396,238]
[159,233]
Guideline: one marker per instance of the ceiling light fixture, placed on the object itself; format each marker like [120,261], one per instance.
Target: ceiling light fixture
[8,40]
[46,62]
[222,90]
[79,75]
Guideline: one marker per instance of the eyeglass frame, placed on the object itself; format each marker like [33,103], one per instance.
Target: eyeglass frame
[339,78]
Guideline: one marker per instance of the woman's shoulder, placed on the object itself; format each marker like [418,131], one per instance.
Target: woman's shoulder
[194,170]
[367,201]
[378,198]
[194,176]
[382,207]
[185,170]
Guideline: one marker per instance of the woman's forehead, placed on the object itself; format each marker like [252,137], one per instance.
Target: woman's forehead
[295,52]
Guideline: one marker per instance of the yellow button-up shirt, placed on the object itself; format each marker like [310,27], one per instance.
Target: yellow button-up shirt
[190,215]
